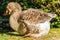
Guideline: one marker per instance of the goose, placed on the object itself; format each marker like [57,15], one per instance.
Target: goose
[31,22]
[15,11]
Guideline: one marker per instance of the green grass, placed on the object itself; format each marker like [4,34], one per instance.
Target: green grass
[54,34]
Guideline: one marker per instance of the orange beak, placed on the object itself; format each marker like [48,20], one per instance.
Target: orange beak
[6,13]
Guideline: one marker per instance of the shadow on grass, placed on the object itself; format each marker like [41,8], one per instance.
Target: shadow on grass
[8,31]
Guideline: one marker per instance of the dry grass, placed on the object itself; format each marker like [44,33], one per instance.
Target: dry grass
[54,34]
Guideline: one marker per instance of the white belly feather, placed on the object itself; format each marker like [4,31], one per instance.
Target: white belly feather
[43,28]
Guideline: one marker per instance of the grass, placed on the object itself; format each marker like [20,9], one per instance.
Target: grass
[54,34]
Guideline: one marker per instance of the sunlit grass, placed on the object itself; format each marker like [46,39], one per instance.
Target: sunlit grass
[54,34]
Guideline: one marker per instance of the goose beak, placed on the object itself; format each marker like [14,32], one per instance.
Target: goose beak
[6,12]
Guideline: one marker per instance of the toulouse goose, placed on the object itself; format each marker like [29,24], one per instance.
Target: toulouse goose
[30,22]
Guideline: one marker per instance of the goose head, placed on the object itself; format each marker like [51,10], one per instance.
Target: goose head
[12,7]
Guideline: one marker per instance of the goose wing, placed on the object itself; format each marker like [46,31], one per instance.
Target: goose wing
[35,16]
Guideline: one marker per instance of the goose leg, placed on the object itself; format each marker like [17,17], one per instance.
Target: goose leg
[28,35]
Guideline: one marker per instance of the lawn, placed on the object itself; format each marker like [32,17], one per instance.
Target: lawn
[54,34]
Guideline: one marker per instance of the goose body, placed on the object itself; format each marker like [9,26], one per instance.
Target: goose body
[38,22]
[31,22]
